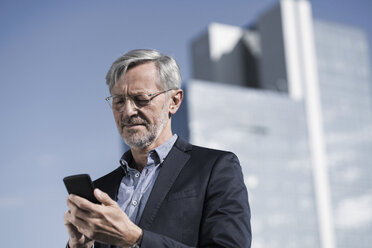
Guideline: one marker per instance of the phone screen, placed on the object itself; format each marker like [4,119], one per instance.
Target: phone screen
[80,185]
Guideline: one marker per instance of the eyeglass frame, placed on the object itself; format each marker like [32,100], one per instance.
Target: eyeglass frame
[131,97]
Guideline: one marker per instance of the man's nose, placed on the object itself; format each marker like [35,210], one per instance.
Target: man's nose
[129,108]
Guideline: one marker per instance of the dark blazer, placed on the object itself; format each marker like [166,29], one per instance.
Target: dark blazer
[198,200]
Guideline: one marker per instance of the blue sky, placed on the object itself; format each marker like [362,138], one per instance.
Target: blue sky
[54,121]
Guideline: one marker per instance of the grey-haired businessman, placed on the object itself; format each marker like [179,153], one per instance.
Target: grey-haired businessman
[166,192]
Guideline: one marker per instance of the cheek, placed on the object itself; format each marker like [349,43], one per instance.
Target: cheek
[117,117]
[147,115]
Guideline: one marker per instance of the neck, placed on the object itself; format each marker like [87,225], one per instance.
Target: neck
[140,154]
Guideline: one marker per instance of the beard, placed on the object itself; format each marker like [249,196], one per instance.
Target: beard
[139,139]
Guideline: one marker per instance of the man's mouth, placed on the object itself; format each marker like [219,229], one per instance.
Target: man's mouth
[130,125]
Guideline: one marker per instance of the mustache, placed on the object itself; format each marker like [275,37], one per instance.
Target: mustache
[133,120]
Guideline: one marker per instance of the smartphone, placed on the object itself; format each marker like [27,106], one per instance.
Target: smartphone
[80,185]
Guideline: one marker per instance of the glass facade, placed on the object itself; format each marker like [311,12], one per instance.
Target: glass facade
[292,151]
[268,132]
[345,89]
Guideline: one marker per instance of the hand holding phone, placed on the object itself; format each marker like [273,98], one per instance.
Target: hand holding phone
[81,185]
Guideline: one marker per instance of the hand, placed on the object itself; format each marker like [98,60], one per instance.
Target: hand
[105,223]
[76,240]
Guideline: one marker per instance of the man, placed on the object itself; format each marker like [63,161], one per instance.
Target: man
[166,192]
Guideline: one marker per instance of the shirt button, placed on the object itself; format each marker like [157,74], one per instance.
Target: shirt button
[137,174]
[134,203]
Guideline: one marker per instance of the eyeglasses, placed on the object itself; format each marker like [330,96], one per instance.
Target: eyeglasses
[117,102]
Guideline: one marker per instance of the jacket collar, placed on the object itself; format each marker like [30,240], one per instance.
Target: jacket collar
[172,166]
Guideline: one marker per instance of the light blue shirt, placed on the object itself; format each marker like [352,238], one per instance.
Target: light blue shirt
[135,186]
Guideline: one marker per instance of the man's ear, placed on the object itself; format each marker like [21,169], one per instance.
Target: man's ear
[175,101]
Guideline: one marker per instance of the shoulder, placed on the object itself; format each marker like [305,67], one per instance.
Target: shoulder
[208,159]
[210,151]
[185,146]
[204,152]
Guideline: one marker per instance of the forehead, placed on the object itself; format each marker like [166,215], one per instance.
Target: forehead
[139,78]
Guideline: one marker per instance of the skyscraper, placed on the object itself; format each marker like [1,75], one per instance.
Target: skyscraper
[292,97]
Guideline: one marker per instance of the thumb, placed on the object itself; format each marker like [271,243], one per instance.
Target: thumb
[103,197]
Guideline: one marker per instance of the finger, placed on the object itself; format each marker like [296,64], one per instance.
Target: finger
[66,217]
[73,208]
[82,203]
[82,227]
[103,197]
[77,212]
[71,229]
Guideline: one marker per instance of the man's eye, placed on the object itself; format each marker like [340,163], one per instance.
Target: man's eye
[141,100]
[118,100]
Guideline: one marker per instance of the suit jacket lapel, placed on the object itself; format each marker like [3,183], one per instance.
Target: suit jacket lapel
[171,167]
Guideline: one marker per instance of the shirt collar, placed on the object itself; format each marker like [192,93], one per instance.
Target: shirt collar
[161,151]
[165,148]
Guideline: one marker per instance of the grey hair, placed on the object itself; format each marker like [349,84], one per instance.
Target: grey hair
[169,72]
